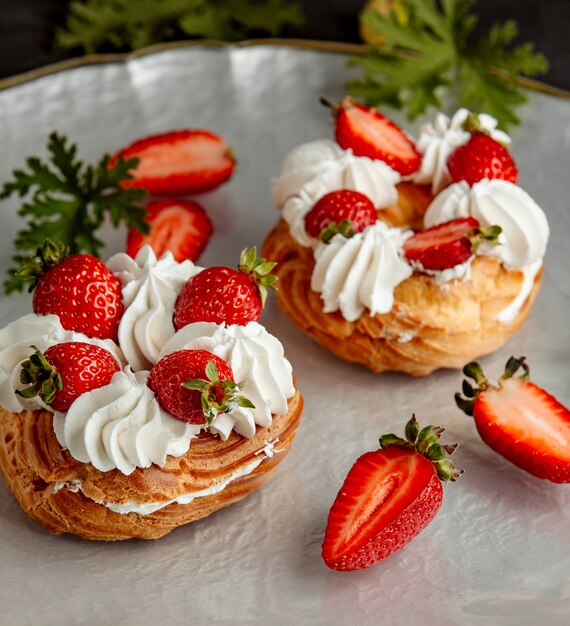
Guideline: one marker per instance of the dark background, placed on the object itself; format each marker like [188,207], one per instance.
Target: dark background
[27,27]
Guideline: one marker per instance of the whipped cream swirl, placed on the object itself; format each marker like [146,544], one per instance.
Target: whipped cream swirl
[150,289]
[16,340]
[361,271]
[256,357]
[439,140]
[317,168]
[524,224]
[122,426]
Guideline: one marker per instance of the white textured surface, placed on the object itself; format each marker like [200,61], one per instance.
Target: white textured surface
[498,552]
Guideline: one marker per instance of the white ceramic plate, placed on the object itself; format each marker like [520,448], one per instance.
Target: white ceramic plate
[499,550]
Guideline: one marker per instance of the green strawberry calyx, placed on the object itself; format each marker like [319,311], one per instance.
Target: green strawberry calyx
[474,371]
[218,396]
[47,256]
[259,269]
[426,442]
[41,376]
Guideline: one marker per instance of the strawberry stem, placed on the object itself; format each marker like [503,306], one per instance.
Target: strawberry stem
[259,269]
[426,442]
[47,256]
[217,396]
[343,228]
[43,378]
[489,235]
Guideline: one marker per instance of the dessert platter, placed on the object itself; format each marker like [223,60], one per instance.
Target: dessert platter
[496,552]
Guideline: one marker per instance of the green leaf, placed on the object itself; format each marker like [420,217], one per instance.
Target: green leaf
[92,24]
[433,49]
[66,201]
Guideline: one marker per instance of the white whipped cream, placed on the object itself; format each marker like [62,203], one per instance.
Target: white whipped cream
[16,340]
[362,271]
[524,225]
[460,272]
[150,289]
[146,508]
[510,312]
[441,138]
[254,356]
[122,426]
[315,169]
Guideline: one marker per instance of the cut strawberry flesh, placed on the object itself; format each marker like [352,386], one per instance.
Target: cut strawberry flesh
[443,246]
[527,415]
[181,227]
[379,489]
[368,133]
[179,162]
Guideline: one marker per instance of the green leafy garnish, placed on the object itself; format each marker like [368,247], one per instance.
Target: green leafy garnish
[67,201]
[131,25]
[427,45]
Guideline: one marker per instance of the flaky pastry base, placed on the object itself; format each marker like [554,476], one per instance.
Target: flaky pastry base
[33,462]
[429,327]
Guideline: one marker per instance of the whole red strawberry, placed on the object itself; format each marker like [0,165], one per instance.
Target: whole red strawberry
[388,497]
[222,294]
[448,244]
[481,157]
[66,371]
[80,289]
[195,385]
[179,226]
[368,133]
[519,420]
[179,162]
[337,207]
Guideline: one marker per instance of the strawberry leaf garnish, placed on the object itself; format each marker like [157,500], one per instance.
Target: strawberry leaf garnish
[67,201]
[343,228]
[217,396]
[426,442]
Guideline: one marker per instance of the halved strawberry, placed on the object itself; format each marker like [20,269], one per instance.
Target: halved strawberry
[179,162]
[181,226]
[388,497]
[368,133]
[449,244]
[519,420]
[482,157]
[337,207]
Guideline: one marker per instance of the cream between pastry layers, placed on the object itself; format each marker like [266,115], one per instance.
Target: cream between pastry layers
[116,465]
[361,299]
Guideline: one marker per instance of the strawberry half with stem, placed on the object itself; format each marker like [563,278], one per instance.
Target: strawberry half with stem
[519,420]
[80,289]
[481,157]
[344,211]
[449,244]
[179,162]
[222,294]
[66,371]
[195,385]
[368,133]
[388,497]
[179,226]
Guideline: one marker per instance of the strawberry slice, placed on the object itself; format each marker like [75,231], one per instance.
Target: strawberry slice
[449,244]
[368,133]
[520,420]
[181,226]
[179,162]
[388,497]
[481,157]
